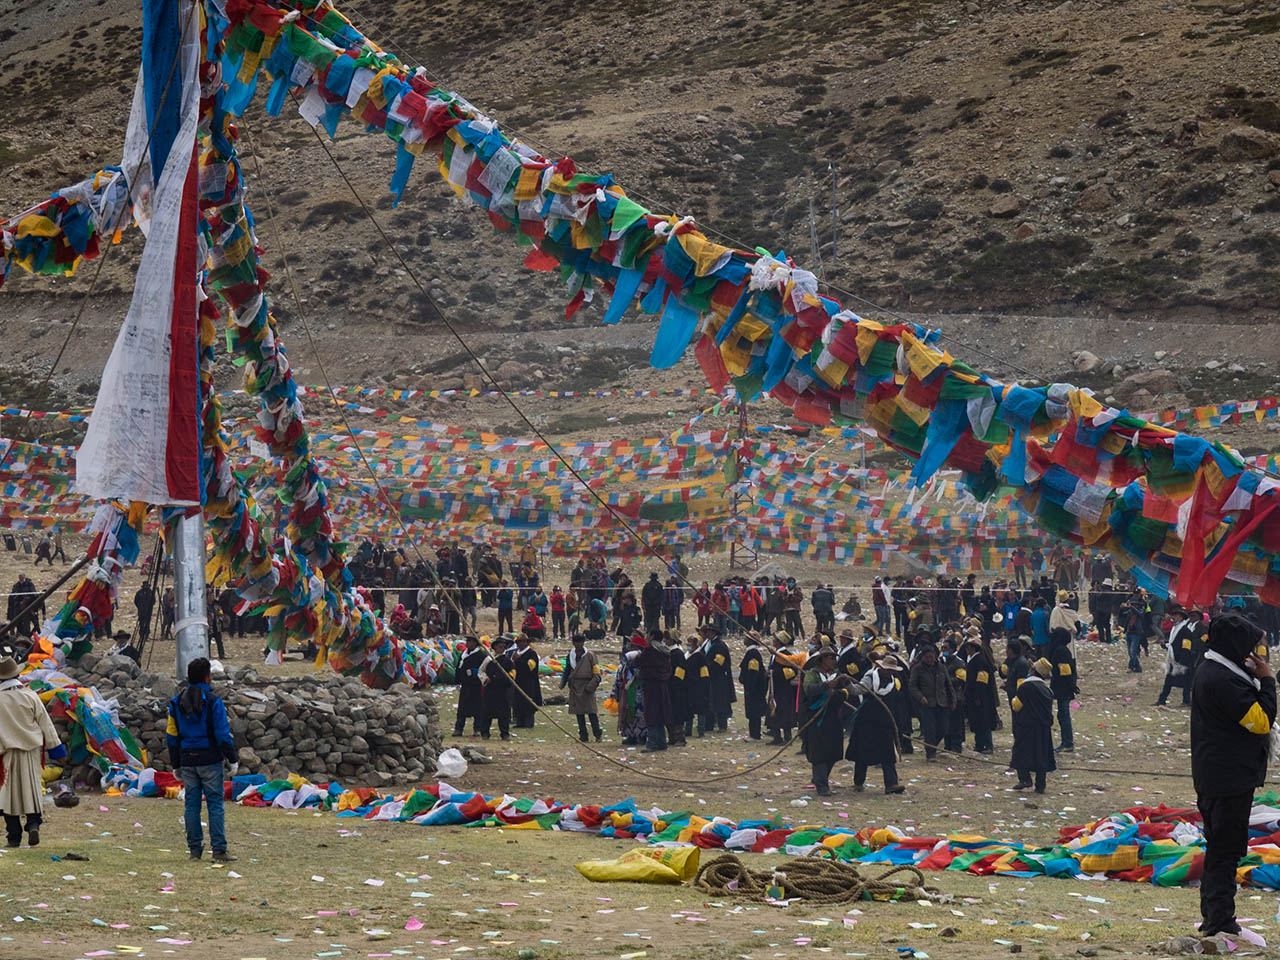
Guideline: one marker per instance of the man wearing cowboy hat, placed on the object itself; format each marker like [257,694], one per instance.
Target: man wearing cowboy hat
[823,693]
[874,740]
[498,691]
[25,731]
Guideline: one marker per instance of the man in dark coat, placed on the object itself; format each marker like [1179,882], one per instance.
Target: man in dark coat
[1233,705]
[1032,707]
[651,603]
[499,674]
[1064,684]
[525,661]
[849,659]
[1180,656]
[823,600]
[823,693]
[755,686]
[1016,666]
[933,696]
[979,695]
[697,689]
[654,664]
[678,694]
[470,687]
[873,741]
[954,740]
[784,682]
[144,601]
[720,691]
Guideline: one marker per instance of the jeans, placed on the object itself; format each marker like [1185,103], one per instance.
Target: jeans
[504,620]
[1226,837]
[1064,722]
[557,622]
[204,781]
[934,722]
[1135,644]
[582,725]
[882,620]
[705,721]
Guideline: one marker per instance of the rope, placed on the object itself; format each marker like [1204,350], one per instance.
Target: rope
[453,601]
[816,880]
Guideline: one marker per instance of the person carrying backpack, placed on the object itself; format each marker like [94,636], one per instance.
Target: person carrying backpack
[200,740]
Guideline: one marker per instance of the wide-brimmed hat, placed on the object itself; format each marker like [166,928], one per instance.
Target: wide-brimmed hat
[890,662]
[8,668]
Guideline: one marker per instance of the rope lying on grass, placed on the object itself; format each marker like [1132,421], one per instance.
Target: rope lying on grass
[812,879]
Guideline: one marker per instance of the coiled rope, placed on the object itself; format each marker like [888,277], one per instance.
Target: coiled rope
[812,879]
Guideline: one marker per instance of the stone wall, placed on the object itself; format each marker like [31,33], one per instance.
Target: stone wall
[320,725]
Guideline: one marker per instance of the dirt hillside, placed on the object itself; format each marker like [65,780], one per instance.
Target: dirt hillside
[1107,168]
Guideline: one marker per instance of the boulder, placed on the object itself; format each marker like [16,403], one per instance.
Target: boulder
[1005,206]
[1141,388]
[1095,198]
[1248,143]
[1084,361]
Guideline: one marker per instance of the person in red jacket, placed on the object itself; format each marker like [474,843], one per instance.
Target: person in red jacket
[533,627]
[702,604]
[750,606]
[557,611]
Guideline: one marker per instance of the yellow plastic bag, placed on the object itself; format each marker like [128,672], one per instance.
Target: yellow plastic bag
[683,860]
[635,870]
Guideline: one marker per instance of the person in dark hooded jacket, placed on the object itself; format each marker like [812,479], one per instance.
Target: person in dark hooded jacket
[1233,705]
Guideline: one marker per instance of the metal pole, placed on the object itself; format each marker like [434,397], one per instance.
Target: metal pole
[191,625]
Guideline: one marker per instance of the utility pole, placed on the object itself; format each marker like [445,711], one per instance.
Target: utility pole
[735,505]
[191,624]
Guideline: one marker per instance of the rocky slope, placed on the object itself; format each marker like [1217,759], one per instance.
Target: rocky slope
[1108,166]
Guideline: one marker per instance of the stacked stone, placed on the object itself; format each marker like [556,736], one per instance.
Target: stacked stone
[321,726]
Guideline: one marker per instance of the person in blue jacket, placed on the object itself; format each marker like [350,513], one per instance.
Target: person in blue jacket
[1040,627]
[200,739]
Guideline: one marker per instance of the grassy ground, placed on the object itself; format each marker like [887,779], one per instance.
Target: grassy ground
[496,893]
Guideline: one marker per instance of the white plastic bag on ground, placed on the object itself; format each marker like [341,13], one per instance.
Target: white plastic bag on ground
[451,764]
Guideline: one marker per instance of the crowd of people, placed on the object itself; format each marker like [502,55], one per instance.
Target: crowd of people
[940,665]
